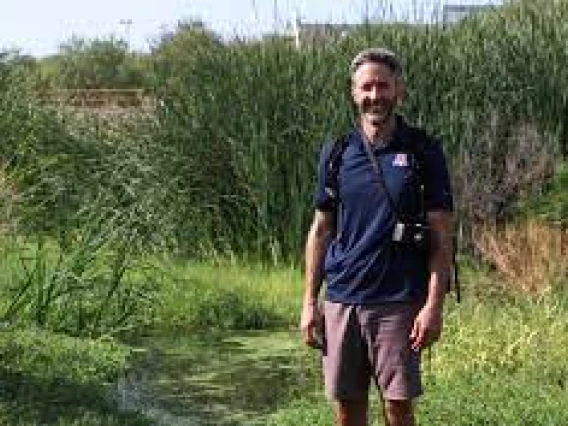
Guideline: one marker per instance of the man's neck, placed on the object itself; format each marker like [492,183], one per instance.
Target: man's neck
[379,134]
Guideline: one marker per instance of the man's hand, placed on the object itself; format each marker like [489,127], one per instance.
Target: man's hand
[428,323]
[311,325]
[320,234]
[427,328]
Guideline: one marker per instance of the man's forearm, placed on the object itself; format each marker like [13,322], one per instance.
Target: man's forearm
[438,283]
[440,262]
[316,247]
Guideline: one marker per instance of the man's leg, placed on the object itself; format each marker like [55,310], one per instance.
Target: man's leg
[398,412]
[351,412]
[345,365]
[396,366]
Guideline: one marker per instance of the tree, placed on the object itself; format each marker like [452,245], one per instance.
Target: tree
[96,64]
[176,53]
[21,71]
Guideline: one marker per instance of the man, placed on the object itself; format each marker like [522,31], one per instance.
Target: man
[384,293]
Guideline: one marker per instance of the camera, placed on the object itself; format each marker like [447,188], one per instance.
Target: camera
[416,234]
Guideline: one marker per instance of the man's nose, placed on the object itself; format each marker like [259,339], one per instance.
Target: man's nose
[374,93]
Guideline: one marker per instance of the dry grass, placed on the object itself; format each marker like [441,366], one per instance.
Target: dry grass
[531,256]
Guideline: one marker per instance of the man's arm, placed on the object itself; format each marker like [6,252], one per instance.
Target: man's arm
[319,236]
[428,323]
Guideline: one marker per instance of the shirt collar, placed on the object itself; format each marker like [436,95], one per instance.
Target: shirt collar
[393,142]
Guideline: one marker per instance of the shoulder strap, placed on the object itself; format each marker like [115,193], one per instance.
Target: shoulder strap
[332,167]
[416,141]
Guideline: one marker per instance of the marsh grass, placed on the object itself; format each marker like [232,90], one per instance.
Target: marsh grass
[497,364]
[224,173]
[248,184]
[501,359]
[88,288]
[226,166]
[227,296]
[49,378]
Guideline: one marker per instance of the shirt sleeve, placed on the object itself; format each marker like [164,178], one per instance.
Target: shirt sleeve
[322,200]
[437,187]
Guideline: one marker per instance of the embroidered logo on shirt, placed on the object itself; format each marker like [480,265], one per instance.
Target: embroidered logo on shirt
[400,160]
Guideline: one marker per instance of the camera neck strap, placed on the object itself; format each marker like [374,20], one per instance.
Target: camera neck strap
[381,182]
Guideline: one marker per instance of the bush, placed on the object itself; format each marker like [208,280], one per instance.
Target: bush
[551,205]
[52,358]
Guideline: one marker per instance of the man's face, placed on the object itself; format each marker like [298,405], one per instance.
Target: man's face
[376,92]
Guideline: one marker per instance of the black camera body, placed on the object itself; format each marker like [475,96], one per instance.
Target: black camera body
[416,234]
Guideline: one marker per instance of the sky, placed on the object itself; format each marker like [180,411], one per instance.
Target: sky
[38,27]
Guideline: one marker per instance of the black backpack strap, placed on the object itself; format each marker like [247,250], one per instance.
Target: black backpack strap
[416,141]
[332,168]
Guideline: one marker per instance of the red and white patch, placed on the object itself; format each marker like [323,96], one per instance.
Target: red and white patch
[400,160]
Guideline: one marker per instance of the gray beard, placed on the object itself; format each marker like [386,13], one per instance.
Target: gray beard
[382,119]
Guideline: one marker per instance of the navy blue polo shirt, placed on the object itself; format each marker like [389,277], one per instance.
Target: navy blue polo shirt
[362,264]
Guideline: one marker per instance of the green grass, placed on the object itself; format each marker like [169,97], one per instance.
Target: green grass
[198,296]
[47,378]
[500,363]
[92,287]
[497,364]
[217,341]
[492,87]
[501,359]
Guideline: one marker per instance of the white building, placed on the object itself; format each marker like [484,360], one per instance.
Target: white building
[452,13]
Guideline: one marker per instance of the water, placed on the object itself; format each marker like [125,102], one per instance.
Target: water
[220,379]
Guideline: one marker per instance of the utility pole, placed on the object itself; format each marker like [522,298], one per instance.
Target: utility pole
[275,15]
[296,30]
[255,11]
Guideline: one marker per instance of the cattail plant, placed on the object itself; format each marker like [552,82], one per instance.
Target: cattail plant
[246,123]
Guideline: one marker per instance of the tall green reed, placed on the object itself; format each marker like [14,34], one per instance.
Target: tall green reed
[89,287]
[228,167]
[248,119]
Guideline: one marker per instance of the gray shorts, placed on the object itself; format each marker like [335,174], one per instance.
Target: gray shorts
[370,342]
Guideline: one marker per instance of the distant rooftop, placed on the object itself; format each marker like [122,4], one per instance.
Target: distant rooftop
[452,13]
[306,32]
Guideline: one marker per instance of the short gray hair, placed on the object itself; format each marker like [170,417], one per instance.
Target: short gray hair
[377,55]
